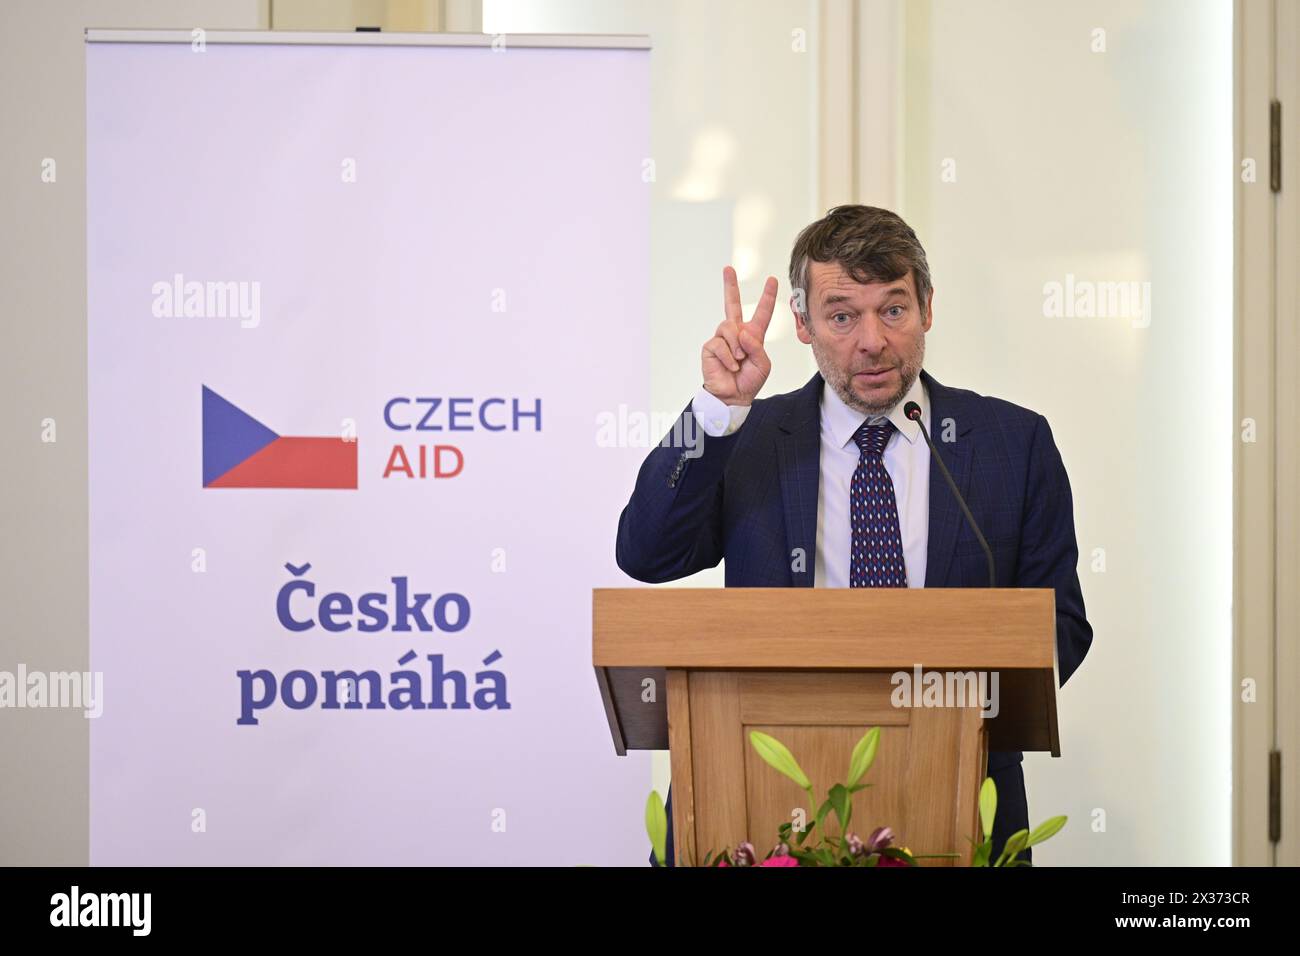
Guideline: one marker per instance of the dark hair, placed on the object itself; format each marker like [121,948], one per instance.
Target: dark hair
[873,245]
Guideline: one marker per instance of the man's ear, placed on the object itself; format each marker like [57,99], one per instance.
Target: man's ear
[800,323]
[929,312]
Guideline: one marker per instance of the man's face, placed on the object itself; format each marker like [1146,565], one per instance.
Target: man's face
[868,339]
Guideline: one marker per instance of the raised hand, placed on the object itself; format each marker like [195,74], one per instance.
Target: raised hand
[734,362]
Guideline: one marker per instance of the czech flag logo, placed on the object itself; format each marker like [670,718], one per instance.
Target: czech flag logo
[241,452]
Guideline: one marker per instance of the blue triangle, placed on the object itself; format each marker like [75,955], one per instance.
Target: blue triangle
[229,436]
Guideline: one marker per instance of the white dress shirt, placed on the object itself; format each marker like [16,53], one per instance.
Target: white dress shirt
[906,458]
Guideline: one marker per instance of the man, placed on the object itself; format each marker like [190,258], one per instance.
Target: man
[794,474]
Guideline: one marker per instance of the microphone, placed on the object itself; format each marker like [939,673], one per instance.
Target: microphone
[913,411]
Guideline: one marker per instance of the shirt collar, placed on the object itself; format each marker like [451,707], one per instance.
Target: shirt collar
[842,422]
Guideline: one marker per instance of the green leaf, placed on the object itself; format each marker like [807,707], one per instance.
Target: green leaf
[841,802]
[656,825]
[778,756]
[1045,831]
[898,853]
[864,755]
[982,854]
[1015,843]
[988,805]
[824,809]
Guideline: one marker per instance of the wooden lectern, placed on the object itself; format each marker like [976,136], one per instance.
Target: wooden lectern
[813,667]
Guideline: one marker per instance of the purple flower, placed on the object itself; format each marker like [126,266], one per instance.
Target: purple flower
[880,838]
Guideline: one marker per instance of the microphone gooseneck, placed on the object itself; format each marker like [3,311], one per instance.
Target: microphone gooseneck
[913,412]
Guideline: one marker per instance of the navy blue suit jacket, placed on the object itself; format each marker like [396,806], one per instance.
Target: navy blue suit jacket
[749,499]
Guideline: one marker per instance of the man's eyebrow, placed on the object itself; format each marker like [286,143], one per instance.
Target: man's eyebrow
[898,290]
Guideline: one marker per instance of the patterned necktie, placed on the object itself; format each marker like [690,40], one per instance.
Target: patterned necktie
[877,559]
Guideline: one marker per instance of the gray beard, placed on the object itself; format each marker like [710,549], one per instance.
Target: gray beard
[844,387]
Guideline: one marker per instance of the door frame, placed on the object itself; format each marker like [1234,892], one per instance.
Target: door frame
[1266,457]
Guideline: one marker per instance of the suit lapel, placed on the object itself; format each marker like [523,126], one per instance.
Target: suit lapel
[945,514]
[798,449]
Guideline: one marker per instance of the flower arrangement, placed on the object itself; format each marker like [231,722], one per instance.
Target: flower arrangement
[846,848]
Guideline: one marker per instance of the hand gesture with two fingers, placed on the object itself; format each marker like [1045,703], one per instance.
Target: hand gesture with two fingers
[734,362]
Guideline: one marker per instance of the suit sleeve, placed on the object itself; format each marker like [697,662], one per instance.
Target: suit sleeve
[672,525]
[1049,552]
